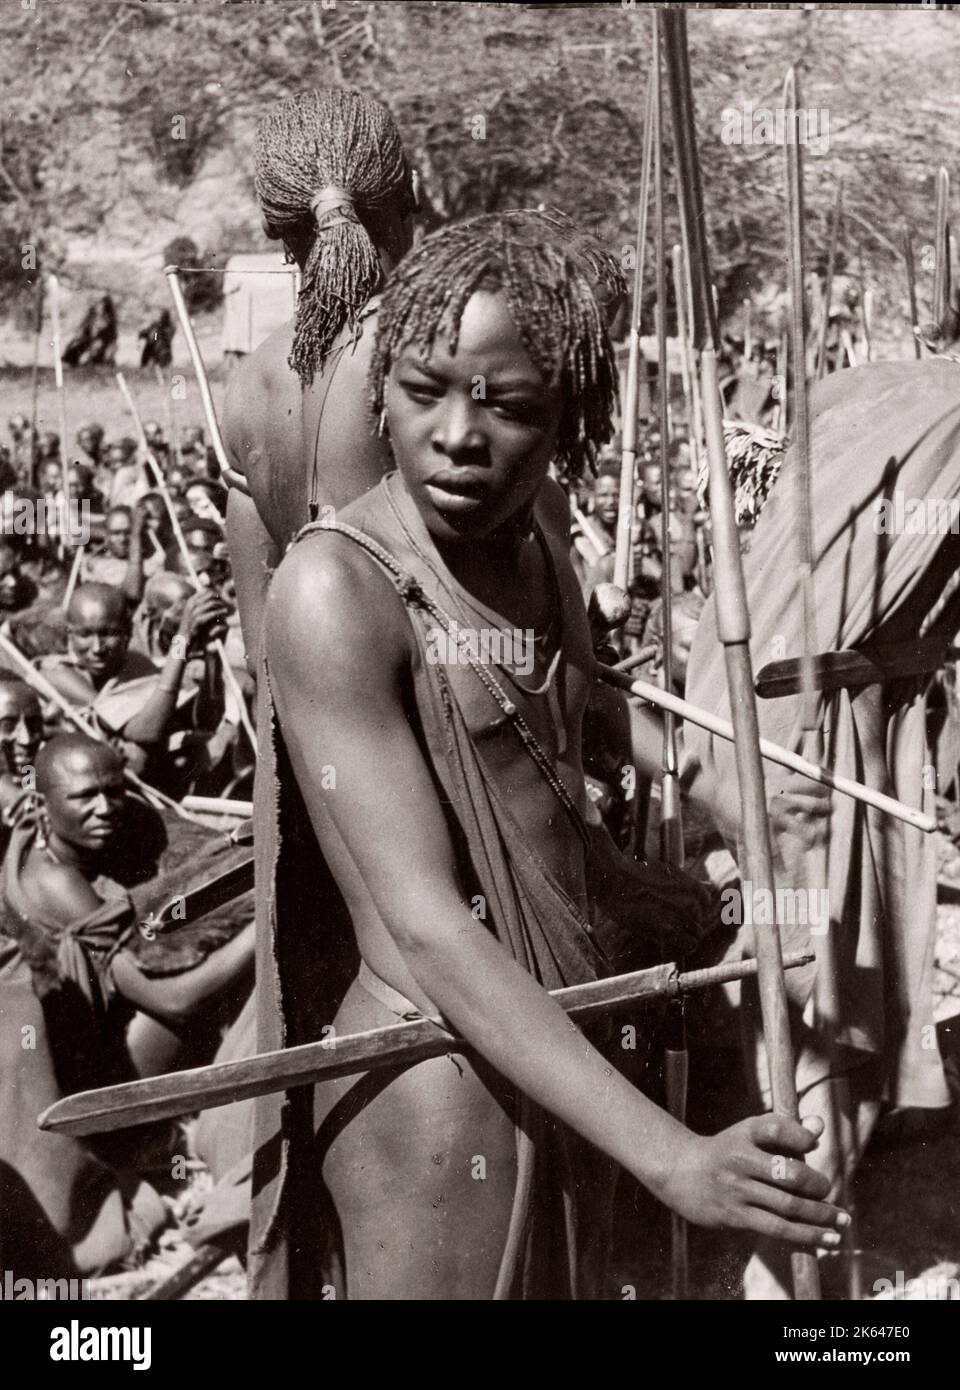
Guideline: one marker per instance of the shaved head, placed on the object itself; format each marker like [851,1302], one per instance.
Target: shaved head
[97,603]
[69,755]
[82,785]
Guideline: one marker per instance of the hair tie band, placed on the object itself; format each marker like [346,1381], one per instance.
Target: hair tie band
[330,197]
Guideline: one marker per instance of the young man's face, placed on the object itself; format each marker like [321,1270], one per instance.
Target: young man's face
[85,797]
[9,579]
[651,485]
[98,637]
[472,433]
[21,728]
[118,535]
[50,476]
[606,500]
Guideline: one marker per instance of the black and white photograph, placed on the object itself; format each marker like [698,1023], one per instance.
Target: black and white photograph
[479,662]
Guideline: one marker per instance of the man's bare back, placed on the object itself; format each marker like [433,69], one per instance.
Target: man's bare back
[274,433]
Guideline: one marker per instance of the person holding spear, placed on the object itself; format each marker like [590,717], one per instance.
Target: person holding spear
[480,805]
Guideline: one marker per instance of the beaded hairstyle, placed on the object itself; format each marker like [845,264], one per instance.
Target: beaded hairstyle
[544,267]
[331,160]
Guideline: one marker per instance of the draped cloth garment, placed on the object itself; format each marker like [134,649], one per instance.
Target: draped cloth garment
[876,431]
[308,959]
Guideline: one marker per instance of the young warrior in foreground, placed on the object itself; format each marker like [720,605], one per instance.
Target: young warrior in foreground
[447,797]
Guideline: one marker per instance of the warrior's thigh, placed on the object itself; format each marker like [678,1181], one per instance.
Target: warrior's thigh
[420,1168]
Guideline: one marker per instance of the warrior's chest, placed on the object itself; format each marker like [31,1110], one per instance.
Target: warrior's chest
[496,672]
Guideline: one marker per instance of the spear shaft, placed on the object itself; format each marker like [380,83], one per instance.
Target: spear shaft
[828,286]
[628,458]
[733,619]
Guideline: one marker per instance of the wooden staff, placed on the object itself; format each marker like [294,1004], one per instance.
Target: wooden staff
[912,291]
[676,1057]
[733,619]
[941,246]
[773,752]
[691,387]
[161,485]
[35,378]
[397,1044]
[58,371]
[628,457]
[828,966]
[828,284]
[172,273]
[219,806]
[73,577]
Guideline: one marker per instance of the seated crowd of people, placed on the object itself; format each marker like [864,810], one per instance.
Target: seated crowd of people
[122,672]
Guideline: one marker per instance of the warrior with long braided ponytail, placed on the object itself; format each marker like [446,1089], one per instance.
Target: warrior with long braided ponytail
[336,188]
[330,165]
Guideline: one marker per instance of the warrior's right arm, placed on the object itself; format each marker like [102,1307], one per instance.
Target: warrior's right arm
[338,646]
[253,553]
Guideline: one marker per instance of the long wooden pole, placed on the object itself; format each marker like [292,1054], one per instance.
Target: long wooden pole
[828,966]
[628,457]
[828,285]
[35,378]
[200,372]
[404,1044]
[941,244]
[676,1056]
[773,752]
[733,618]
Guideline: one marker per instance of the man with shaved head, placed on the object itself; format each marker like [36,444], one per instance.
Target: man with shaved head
[132,699]
[69,975]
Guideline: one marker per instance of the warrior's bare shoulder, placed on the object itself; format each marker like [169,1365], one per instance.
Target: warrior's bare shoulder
[333,621]
[57,891]
[262,387]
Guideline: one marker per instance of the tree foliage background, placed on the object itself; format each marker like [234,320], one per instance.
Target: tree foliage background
[125,123]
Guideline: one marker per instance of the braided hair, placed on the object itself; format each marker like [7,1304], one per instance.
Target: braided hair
[545,274]
[333,158]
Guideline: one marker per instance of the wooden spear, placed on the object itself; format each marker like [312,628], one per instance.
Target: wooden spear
[35,377]
[733,620]
[828,969]
[676,1056]
[941,248]
[828,284]
[172,273]
[628,457]
[398,1044]
[783,757]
